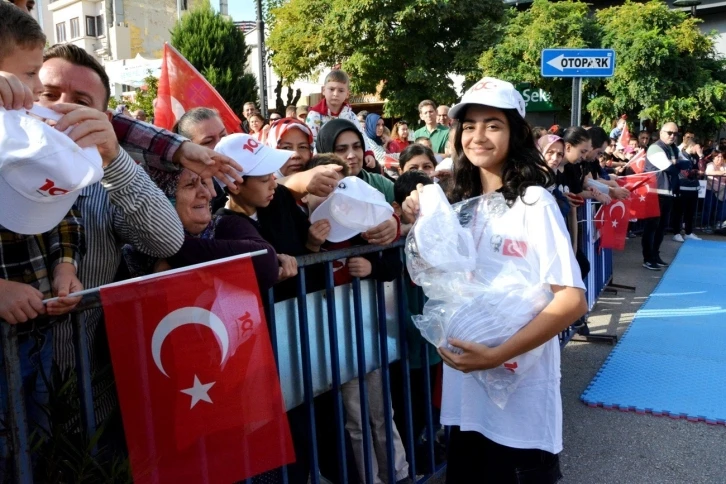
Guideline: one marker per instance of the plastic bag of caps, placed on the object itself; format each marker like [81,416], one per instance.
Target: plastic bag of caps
[485,302]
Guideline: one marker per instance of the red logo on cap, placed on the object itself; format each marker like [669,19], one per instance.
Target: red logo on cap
[483,85]
[251,145]
[51,189]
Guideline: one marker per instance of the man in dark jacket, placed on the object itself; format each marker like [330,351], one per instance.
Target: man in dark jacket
[663,157]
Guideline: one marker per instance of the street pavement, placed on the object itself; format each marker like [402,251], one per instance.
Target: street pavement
[613,447]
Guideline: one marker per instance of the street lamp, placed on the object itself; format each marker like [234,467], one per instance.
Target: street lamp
[688,3]
[263,65]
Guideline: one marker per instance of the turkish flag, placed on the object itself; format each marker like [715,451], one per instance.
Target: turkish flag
[637,162]
[196,378]
[624,137]
[181,88]
[612,221]
[643,194]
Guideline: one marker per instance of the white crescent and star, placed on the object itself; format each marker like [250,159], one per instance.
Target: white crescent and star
[618,205]
[181,317]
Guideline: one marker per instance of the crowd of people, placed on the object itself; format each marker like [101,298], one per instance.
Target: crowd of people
[172,199]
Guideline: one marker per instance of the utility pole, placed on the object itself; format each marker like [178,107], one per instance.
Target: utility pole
[261,54]
[223,7]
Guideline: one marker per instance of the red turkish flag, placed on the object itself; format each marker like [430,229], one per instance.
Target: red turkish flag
[624,137]
[196,378]
[612,221]
[181,88]
[643,194]
[637,162]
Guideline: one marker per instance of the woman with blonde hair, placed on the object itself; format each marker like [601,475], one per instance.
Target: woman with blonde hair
[399,137]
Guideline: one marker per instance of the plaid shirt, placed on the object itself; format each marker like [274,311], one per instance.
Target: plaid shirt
[147,144]
[31,259]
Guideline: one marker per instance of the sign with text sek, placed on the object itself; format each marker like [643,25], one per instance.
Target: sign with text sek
[578,62]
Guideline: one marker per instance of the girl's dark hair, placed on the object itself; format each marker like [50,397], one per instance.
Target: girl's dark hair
[414,150]
[523,168]
[575,135]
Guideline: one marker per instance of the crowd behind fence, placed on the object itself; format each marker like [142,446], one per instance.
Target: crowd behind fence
[322,340]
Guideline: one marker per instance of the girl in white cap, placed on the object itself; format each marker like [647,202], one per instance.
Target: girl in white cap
[496,152]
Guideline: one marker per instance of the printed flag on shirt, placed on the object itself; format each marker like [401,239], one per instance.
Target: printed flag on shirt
[643,194]
[196,378]
[181,88]
[612,221]
[637,162]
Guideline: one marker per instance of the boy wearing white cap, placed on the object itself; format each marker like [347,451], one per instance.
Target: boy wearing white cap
[41,236]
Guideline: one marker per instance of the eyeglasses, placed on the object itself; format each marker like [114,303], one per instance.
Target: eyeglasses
[671,133]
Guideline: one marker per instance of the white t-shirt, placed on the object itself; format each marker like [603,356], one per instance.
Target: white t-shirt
[535,239]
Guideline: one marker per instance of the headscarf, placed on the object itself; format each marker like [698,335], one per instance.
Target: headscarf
[167,181]
[546,141]
[330,132]
[371,122]
[282,126]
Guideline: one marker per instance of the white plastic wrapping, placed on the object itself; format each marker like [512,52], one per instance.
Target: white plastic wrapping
[468,300]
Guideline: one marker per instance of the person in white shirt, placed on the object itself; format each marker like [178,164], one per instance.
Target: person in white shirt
[496,151]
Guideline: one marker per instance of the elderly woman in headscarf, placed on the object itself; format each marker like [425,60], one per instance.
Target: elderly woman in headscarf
[292,135]
[191,199]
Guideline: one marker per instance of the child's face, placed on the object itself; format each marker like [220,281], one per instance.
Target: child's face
[25,64]
[335,94]
[314,201]
[256,191]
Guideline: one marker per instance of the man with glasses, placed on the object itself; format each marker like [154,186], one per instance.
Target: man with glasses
[663,157]
[274,117]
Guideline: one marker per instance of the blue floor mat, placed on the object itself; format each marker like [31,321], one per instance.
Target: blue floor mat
[672,359]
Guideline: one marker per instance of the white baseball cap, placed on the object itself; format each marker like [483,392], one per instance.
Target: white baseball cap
[490,92]
[352,208]
[42,171]
[255,158]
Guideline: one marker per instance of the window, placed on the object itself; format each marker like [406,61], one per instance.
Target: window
[75,28]
[91,26]
[100,26]
[60,32]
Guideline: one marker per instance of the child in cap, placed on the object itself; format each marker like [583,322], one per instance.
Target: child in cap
[33,267]
[334,105]
[496,152]
[385,266]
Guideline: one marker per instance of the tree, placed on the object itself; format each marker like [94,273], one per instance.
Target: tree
[291,100]
[666,69]
[410,45]
[144,98]
[545,24]
[217,49]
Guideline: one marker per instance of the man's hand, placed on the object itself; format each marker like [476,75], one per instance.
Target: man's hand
[600,196]
[370,161]
[20,302]
[13,93]
[288,267]
[208,164]
[64,283]
[317,235]
[324,181]
[619,193]
[383,234]
[359,267]
[91,127]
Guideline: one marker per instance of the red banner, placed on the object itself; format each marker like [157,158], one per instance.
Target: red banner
[637,162]
[643,194]
[612,221]
[181,88]
[196,377]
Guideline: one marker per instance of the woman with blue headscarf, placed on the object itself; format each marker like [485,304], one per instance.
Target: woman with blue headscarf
[374,128]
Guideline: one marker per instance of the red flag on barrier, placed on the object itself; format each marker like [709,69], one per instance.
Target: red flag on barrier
[196,377]
[181,88]
[612,221]
[643,194]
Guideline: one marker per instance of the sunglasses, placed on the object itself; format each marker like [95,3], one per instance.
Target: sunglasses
[671,133]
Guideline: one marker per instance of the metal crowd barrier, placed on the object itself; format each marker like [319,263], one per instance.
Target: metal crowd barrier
[321,340]
[711,206]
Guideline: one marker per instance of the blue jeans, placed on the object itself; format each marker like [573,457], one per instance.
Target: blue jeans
[35,351]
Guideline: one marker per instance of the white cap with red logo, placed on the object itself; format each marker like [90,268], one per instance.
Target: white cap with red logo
[490,92]
[42,171]
[255,158]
